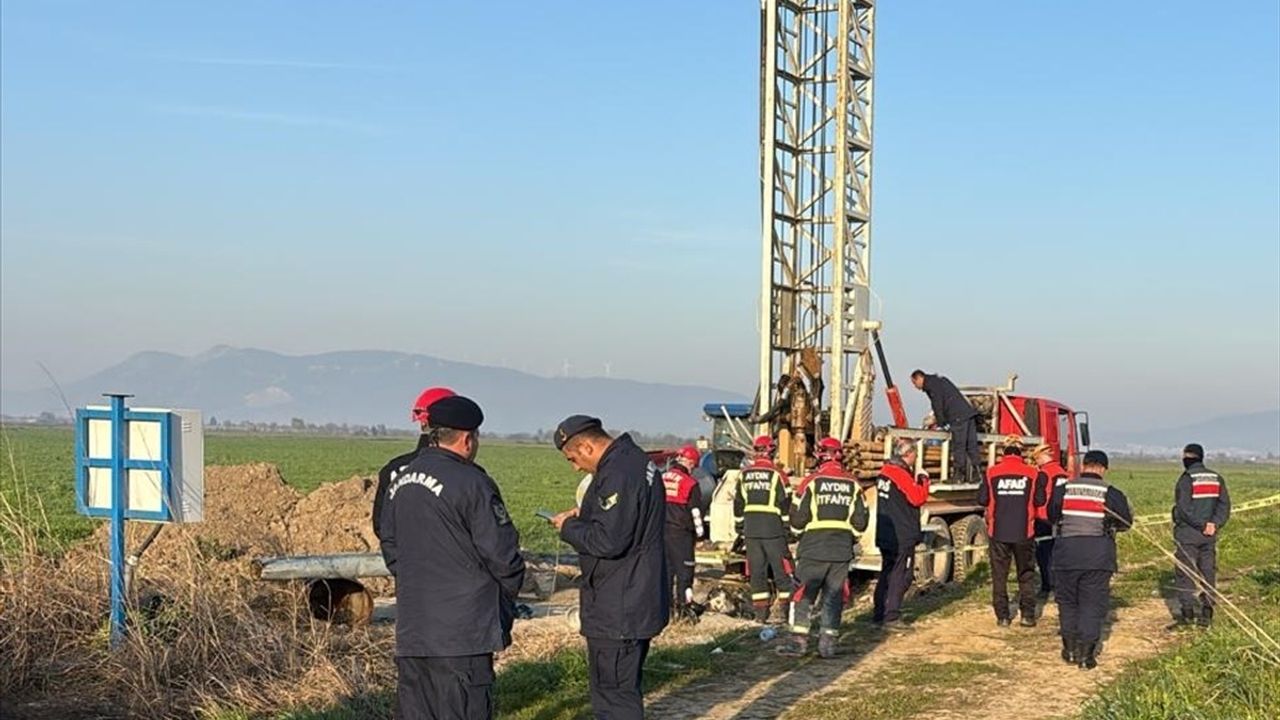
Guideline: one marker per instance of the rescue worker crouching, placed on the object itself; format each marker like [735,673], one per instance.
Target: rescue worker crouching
[1010,496]
[1201,507]
[683,528]
[455,554]
[1051,476]
[900,493]
[761,510]
[1087,513]
[828,511]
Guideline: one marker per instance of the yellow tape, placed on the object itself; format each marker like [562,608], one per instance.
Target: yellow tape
[1164,518]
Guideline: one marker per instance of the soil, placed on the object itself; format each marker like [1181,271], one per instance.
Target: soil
[1032,682]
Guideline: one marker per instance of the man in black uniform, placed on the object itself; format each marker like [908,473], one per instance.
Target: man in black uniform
[761,510]
[421,414]
[900,493]
[625,593]
[449,542]
[1201,507]
[829,511]
[1087,513]
[951,409]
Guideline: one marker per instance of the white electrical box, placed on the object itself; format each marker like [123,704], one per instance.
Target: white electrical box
[162,463]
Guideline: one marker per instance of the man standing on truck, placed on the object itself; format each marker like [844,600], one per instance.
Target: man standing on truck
[829,510]
[1201,507]
[625,596]
[901,494]
[420,413]
[683,528]
[761,511]
[1087,513]
[1010,496]
[1051,476]
[953,411]
[455,554]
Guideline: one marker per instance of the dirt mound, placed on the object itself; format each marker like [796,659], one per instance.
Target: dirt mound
[334,518]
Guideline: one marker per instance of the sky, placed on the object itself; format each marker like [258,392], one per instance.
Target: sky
[1086,193]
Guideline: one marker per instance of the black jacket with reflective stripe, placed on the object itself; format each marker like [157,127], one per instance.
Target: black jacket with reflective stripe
[1200,497]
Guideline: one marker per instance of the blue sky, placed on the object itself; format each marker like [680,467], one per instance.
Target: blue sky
[1087,193]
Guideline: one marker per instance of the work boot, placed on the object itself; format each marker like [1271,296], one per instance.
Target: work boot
[1184,619]
[795,646]
[827,645]
[1087,658]
[894,626]
[1206,616]
[1003,622]
[1028,620]
[760,611]
[1069,650]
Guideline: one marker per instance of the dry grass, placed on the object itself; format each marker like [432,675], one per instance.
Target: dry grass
[203,640]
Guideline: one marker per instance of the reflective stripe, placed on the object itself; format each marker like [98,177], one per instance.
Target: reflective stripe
[829,525]
[815,524]
[761,596]
[772,508]
[762,509]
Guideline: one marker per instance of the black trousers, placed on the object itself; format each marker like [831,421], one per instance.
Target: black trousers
[896,574]
[680,561]
[1044,555]
[819,577]
[769,559]
[615,669]
[1084,597]
[965,453]
[444,688]
[1021,554]
[1204,558]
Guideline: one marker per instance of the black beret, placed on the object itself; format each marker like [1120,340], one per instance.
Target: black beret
[1194,450]
[571,426]
[1096,457]
[457,412]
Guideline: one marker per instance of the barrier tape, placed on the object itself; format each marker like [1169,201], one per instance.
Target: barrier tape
[718,557]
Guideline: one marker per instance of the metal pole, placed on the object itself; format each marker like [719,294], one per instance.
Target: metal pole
[119,451]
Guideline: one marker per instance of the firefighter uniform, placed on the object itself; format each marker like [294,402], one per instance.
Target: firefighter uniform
[761,511]
[899,498]
[683,528]
[828,511]
[951,409]
[1200,498]
[1051,476]
[625,592]
[1010,497]
[449,541]
[1087,512]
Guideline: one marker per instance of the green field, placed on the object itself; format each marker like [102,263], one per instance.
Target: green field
[36,471]
[36,474]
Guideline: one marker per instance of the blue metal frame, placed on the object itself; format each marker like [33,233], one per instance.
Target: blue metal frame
[164,465]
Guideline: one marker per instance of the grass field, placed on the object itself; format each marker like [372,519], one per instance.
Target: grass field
[1209,676]
[37,464]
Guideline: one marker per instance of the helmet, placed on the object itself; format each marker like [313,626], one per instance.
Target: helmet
[829,447]
[1012,441]
[426,400]
[690,453]
[764,444]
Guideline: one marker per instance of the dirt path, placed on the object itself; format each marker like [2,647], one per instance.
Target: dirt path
[1032,681]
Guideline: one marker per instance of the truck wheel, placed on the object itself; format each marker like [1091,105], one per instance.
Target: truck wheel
[933,556]
[969,537]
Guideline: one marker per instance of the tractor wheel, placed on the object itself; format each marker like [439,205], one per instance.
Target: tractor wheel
[934,556]
[969,538]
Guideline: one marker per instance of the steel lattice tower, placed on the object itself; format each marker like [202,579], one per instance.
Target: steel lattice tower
[817,68]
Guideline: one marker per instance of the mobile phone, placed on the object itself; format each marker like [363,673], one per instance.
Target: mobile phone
[545,514]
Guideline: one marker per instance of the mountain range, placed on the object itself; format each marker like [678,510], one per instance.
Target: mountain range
[370,388]
[378,387]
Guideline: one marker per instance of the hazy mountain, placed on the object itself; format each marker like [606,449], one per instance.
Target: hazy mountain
[1257,433]
[371,387]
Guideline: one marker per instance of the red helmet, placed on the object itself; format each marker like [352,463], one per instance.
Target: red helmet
[426,400]
[829,447]
[690,453]
[764,444]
